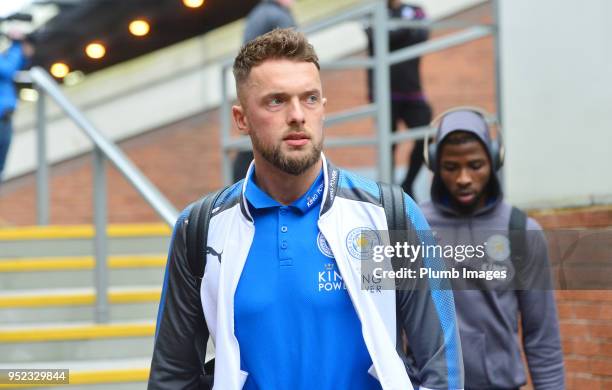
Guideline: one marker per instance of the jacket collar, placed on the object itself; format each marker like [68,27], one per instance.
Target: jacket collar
[331,175]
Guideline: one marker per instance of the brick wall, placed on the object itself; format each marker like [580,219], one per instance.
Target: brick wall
[585,316]
[183,160]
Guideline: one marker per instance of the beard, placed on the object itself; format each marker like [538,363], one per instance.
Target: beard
[468,208]
[292,165]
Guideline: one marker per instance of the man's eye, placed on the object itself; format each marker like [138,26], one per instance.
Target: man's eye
[275,101]
[312,99]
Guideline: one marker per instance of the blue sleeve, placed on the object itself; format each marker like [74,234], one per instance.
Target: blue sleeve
[428,317]
[12,60]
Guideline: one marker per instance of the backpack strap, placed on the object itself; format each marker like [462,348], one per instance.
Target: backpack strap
[517,231]
[392,197]
[197,233]
[197,236]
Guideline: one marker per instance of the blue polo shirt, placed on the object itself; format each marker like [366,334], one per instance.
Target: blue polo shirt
[293,317]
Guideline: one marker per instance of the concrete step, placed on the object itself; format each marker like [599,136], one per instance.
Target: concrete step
[67,305]
[37,241]
[76,341]
[120,373]
[116,374]
[78,271]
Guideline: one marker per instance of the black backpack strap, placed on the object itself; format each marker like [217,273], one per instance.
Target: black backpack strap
[392,199]
[197,233]
[197,236]
[517,231]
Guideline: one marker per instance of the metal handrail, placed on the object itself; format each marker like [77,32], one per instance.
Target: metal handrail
[438,44]
[104,150]
[110,150]
[376,17]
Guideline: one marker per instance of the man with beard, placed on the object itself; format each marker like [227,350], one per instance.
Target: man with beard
[281,293]
[265,17]
[467,203]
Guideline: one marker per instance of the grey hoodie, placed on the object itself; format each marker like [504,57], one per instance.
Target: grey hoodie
[488,319]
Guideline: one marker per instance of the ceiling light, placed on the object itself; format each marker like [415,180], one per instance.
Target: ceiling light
[193,3]
[139,27]
[59,70]
[95,50]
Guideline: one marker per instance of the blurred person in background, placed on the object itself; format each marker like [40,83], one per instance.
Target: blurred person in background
[11,61]
[466,203]
[265,17]
[408,103]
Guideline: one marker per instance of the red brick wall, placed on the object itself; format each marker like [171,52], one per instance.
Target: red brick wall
[585,316]
[183,160]
[586,330]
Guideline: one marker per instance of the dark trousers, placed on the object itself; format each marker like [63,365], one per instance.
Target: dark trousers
[6,134]
[414,114]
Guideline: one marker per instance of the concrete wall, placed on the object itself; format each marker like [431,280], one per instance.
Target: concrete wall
[556,57]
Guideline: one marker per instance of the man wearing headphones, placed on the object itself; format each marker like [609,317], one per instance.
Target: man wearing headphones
[467,205]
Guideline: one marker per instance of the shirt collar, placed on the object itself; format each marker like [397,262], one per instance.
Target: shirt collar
[259,199]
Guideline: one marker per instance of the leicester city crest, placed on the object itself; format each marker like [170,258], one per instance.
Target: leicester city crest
[361,241]
[324,246]
[498,247]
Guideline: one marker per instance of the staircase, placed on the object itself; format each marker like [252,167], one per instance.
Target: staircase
[47,303]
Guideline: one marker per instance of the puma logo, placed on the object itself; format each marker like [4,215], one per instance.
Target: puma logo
[211,251]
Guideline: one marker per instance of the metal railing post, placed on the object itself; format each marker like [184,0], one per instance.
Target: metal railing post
[111,151]
[224,113]
[100,237]
[381,90]
[497,50]
[498,81]
[42,173]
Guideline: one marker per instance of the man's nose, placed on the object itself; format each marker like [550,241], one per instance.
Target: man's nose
[295,115]
[464,179]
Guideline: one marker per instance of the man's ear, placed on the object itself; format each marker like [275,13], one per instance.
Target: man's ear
[240,119]
[324,102]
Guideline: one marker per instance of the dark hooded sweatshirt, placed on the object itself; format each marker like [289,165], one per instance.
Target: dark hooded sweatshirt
[489,319]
